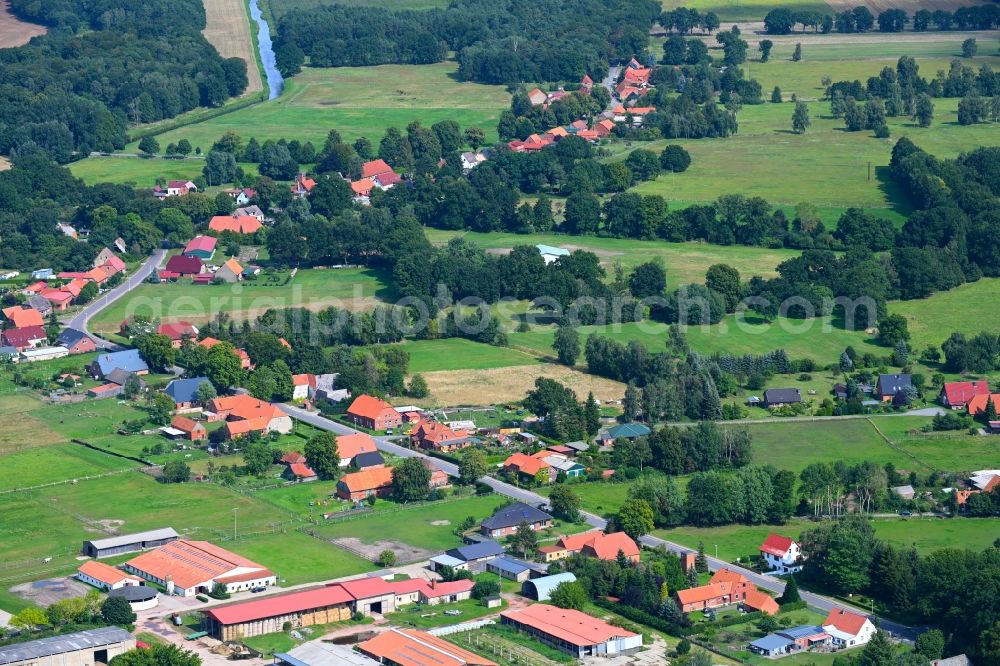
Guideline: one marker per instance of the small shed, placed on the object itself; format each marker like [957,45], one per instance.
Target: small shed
[439,562]
[509,568]
[493,601]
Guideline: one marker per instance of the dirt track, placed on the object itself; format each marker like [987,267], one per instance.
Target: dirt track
[910,6]
[14,32]
[228,30]
[753,32]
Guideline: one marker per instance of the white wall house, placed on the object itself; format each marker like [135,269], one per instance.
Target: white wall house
[781,554]
[848,629]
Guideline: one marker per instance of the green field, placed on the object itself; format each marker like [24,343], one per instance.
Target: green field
[826,166]
[926,534]
[684,262]
[297,558]
[140,172]
[461,354]
[315,289]
[952,451]
[970,309]
[55,463]
[357,101]
[414,526]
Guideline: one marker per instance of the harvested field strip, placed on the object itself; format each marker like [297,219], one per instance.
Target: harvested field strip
[499,385]
[15,32]
[228,30]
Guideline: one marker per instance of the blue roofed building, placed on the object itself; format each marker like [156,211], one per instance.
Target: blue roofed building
[509,568]
[771,645]
[550,253]
[476,555]
[506,520]
[626,431]
[184,392]
[806,636]
[129,360]
[440,562]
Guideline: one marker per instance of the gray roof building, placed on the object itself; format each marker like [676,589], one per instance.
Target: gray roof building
[71,336]
[782,396]
[514,515]
[119,376]
[184,390]
[36,652]
[628,431]
[368,459]
[890,385]
[483,550]
[129,543]
[129,360]
[319,653]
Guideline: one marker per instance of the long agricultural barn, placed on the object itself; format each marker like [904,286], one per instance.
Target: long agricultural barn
[129,543]
[571,631]
[83,648]
[187,568]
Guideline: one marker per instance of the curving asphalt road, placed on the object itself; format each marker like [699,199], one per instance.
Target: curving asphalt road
[771,583]
[82,318]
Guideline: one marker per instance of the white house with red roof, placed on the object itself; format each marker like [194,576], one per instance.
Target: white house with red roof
[105,577]
[848,629]
[782,554]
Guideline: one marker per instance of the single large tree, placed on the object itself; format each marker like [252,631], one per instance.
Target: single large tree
[472,466]
[524,541]
[322,455]
[116,610]
[800,118]
[565,503]
[635,518]
[567,345]
[411,480]
[569,594]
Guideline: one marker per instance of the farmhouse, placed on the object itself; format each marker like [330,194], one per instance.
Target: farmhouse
[505,521]
[202,247]
[58,298]
[104,576]
[527,467]
[299,472]
[76,342]
[188,429]
[723,589]
[128,360]
[572,631]
[24,338]
[957,395]
[129,543]
[229,272]
[236,225]
[600,545]
[184,392]
[411,647]
[244,413]
[186,568]
[22,317]
[540,589]
[81,648]
[374,459]
[848,629]
[252,211]
[781,554]
[439,437]
[349,447]
[357,486]
[977,405]
[302,185]
[373,413]
[779,397]
[181,265]
[889,387]
[36,302]
[178,332]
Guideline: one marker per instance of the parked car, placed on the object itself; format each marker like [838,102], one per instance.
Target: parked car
[255,590]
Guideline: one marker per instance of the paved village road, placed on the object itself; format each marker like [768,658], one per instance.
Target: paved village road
[82,318]
[770,583]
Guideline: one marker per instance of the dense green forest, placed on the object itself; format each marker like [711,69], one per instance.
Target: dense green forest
[106,65]
[496,42]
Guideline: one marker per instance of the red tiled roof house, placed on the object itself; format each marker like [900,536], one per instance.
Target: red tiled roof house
[374,414]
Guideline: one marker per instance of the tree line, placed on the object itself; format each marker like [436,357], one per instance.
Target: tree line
[783,21]
[105,65]
[495,43]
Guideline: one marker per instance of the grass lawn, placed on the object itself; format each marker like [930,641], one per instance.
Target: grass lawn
[299,558]
[955,451]
[461,354]
[268,644]
[794,445]
[970,309]
[685,262]
[599,497]
[413,615]
[140,172]
[357,101]
[308,499]
[56,463]
[315,289]
[415,526]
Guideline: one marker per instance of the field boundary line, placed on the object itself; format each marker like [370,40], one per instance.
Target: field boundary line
[899,449]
